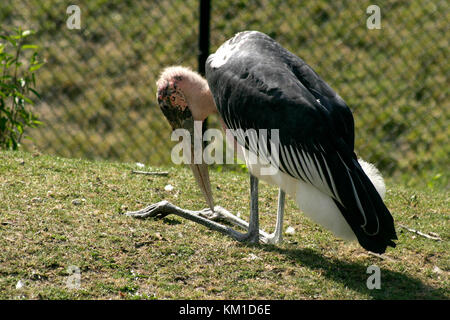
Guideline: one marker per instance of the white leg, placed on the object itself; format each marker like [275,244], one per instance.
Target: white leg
[277,235]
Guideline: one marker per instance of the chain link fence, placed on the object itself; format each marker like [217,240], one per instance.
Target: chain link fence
[98,85]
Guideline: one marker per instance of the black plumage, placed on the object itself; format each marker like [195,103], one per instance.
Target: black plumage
[257,84]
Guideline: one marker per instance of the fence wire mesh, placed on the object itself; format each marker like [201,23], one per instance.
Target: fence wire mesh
[98,85]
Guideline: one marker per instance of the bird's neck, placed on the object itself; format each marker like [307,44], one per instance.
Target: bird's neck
[205,105]
[199,97]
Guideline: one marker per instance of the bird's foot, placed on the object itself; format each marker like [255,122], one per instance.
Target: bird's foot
[210,215]
[222,214]
[205,217]
[156,210]
[271,239]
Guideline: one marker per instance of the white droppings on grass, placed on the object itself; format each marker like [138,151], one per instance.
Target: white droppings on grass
[168,187]
[20,284]
[437,270]
[252,257]
[290,230]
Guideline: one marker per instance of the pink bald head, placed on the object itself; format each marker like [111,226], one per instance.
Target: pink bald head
[183,88]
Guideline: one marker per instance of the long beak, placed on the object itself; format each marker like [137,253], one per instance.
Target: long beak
[181,117]
[202,177]
[200,170]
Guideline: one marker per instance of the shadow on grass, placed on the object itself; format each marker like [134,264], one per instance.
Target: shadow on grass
[394,285]
[170,221]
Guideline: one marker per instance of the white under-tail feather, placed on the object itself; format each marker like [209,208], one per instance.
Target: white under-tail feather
[375,176]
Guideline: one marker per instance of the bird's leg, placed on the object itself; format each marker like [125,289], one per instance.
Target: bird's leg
[164,208]
[273,238]
[253,224]
[205,217]
[276,236]
[252,234]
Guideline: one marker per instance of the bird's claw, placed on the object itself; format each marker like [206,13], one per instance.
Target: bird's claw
[208,214]
[217,214]
[156,210]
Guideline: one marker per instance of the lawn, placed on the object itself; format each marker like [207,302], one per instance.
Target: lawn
[59,214]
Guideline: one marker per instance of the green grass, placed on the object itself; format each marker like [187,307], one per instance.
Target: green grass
[43,233]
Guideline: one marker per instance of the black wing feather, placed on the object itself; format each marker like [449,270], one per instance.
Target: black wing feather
[264,86]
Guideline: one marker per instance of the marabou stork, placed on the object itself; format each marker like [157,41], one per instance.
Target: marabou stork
[255,83]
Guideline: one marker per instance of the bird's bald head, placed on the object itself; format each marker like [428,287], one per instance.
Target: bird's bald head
[181,93]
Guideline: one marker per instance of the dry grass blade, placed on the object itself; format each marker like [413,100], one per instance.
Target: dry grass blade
[148,173]
[429,236]
[381,256]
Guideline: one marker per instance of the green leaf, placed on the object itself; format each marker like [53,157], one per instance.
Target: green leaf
[10,62]
[30,46]
[35,67]
[10,86]
[18,94]
[35,93]
[6,54]
[19,128]
[22,34]
[35,124]
[21,96]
